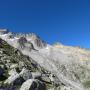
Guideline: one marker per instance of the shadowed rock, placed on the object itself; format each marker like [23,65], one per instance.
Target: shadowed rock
[33,84]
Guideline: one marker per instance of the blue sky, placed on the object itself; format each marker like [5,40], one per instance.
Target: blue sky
[65,21]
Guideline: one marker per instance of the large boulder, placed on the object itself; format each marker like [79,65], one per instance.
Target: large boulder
[12,72]
[21,65]
[12,78]
[33,84]
[64,88]
[36,75]
[46,79]
[13,66]
[25,74]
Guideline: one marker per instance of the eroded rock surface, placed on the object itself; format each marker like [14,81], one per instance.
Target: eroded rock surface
[28,57]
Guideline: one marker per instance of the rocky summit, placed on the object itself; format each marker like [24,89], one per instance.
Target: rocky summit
[29,63]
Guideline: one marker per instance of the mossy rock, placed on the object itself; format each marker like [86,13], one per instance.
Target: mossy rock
[87,84]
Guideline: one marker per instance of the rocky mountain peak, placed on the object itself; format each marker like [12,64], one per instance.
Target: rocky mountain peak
[37,42]
[57,67]
[33,38]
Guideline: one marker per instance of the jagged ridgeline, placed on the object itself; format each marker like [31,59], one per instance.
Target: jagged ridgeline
[16,68]
[33,38]
[29,63]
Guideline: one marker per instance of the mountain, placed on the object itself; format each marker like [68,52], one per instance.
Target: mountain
[45,67]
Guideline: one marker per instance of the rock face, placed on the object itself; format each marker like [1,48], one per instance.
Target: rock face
[36,40]
[12,79]
[33,84]
[23,44]
[25,74]
[16,68]
[28,57]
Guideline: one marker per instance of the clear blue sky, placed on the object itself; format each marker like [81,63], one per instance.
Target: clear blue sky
[65,21]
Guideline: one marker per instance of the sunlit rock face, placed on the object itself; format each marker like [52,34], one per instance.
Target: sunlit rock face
[60,67]
[32,84]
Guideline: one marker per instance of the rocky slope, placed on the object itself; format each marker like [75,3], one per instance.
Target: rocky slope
[17,69]
[56,67]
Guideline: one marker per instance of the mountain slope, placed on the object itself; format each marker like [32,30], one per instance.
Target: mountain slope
[16,68]
[71,65]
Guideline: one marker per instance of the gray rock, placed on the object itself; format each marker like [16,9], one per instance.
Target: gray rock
[12,72]
[25,74]
[33,84]
[46,79]
[64,88]
[2,66]
[13,66]
[21,65]
[36,75]
[12,78]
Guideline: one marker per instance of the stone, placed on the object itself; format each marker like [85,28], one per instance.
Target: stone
[46,79]
[13,66]
[21,65]
[36,75]
[12,72]
[25,74]
[33,84]
[12,78]
[52,77]
[62,87]
[16,77]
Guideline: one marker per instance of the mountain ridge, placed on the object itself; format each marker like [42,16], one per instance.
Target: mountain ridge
[71,65]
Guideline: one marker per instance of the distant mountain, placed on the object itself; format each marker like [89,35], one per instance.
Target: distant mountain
[37,65]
